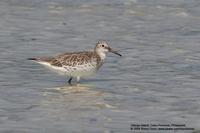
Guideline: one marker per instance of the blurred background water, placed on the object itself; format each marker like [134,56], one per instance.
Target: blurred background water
[156,80]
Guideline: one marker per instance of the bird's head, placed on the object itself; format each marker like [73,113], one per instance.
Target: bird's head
[102,48]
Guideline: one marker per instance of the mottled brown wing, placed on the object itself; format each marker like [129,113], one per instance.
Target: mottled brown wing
[51,60]
[78,58]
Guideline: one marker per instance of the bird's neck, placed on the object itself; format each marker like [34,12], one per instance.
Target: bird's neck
[101,55]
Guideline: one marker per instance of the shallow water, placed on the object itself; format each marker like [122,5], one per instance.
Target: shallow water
[156,80]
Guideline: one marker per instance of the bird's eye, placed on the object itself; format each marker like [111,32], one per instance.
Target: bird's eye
[102,45]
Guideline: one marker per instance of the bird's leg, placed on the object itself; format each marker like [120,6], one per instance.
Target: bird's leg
[78,79]
[69,81]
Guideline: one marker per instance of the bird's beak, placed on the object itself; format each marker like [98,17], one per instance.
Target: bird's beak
[112,51]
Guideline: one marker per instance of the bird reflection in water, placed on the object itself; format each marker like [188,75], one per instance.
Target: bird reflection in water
[79,95]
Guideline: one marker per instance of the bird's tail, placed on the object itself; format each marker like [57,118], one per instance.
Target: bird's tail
[35,59]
